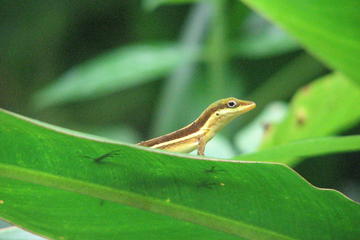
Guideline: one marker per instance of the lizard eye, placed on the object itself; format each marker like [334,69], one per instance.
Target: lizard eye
[231,104]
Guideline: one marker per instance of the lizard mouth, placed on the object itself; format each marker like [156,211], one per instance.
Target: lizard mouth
[248,105]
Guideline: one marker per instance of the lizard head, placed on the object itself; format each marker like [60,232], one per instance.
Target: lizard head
[218,114]
[231,107]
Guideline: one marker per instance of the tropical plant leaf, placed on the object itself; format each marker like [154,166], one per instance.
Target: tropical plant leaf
[324,107]
[291,153]
[65,185]
[265,94]
[114,71]
[260,38]
[152,4]
[328,29]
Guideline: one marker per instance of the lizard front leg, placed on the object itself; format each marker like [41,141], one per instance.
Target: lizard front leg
[201,146]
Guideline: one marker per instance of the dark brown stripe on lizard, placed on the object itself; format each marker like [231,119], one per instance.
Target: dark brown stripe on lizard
[191,128]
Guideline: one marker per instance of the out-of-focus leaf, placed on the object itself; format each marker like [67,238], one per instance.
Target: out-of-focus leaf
[282,85]
[152,4]
[259,39]
[328,28]
[114,71]
[324,107]
[178,84]
[291,153]
[15,233]
[249,138]
[61,185]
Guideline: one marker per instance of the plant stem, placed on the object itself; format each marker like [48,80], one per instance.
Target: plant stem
[218,53]
[178,83]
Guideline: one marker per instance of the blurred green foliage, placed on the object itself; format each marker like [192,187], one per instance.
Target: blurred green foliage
[130,70]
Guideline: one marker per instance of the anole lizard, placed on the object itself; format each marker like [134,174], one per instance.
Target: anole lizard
[199,132]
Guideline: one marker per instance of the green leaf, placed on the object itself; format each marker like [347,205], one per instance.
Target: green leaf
[287,81]
[290,153]
[53,183]
[249,138]
[152,4]
[327,28]
[260,39]
[114,71]
[324,107]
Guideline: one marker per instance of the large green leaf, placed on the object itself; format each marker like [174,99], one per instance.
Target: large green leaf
[324,107]
[292,152]
[60,184]
[114,71]
[327,28]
